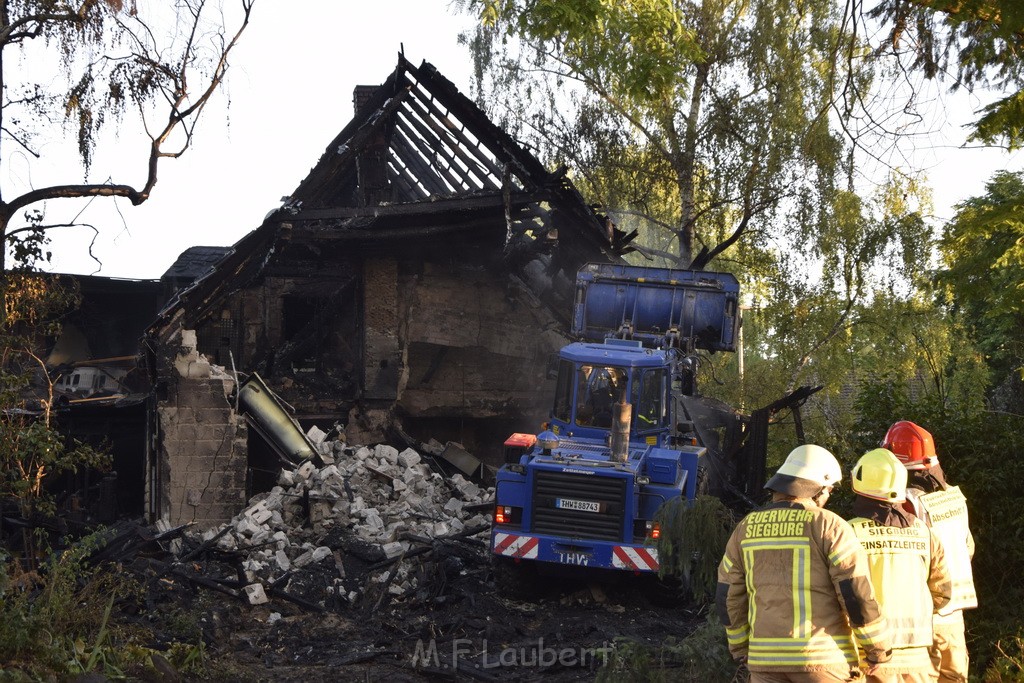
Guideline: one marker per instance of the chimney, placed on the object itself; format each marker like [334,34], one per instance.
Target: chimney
[372,162]
[361,95]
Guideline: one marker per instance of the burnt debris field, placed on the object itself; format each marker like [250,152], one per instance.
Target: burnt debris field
[373,564]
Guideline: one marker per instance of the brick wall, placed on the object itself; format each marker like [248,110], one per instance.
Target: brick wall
[203,455]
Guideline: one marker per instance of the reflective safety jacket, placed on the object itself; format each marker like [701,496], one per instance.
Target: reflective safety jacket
[911,581]
[794,592]
[946,513]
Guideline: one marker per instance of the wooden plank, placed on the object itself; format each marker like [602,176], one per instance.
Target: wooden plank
[431,114]
[404,145]
[427,132]
[518,200]
[458,183]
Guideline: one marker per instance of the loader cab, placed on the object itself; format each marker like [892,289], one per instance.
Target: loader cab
[592,378]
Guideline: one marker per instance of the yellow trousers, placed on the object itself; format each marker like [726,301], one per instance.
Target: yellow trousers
[949,651]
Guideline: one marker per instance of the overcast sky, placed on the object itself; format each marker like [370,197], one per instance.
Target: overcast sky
[290,92]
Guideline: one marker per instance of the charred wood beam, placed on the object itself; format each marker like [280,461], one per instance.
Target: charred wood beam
[472,170]
[482,127]
[429,177]
[408,187]
[431,114]
[343,151]
[451,227]
[428,151]
[305,604]
[408,179]
[443,134]
[518,200]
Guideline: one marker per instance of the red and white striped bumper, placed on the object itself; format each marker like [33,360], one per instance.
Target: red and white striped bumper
[635,559]
[512,545]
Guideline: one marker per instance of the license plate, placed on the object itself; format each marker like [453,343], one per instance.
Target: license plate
[582,505]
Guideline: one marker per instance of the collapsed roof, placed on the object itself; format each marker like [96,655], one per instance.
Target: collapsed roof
[420,162]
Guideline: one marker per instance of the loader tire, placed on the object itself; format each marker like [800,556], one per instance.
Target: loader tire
[703,481]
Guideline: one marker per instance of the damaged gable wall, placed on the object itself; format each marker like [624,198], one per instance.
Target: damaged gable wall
[451,351]
[477,345]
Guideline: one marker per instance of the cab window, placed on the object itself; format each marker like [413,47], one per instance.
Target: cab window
[598,388]
[649,400]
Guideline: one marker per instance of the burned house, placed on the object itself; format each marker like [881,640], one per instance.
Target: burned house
[414,283]
[95,391]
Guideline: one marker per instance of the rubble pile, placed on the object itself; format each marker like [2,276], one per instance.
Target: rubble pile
[332,531]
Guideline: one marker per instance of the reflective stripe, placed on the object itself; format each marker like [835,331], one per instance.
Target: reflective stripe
[802,652]
[869,635]
[907,660]
[737,636]
[842,552]
[629,557]
[777,581]
[800,547]
[512,545]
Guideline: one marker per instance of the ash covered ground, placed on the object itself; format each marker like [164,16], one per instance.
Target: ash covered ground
[372,564]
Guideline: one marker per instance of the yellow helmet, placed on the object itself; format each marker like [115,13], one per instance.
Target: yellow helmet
[807,470]
[880,475]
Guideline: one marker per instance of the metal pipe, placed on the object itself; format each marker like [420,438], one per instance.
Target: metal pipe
[620,431]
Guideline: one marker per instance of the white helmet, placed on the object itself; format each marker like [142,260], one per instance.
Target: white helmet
[807,470]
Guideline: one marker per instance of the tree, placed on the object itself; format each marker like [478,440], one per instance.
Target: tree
[983,253]
[711,119]
[976,42]
[90,63]
[112,59]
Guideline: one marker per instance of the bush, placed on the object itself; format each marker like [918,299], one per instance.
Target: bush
[692,542]
[60,621]
[1008,664]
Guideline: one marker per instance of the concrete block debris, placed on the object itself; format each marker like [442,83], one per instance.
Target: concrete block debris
[372,506]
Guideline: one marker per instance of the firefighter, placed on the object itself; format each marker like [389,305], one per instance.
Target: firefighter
[793,592]
[907,565]
[944,509]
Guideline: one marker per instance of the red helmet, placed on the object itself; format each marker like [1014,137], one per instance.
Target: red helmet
[913,445]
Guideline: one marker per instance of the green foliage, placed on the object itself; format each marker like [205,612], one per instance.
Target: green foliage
[692,542]
[31,448]
[701,656]
[706,121]
[643,42]
[60,621]
[1008,664]
[1003,120]
[983,251]
[975,449]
